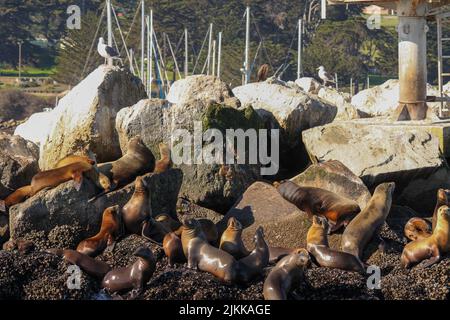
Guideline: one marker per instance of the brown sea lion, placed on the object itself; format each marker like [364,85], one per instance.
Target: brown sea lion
[154,231]
[315,201]
[49,179]
[73,158]
[173,248]
[287,274]
[441,200]
[429,250]
[417,229]
[168,222]
[21,245]
[253,264]
[131,277]
[231,239]
[263,72]
[368,222]
[276,253]
[165,163]
[138,160]
[203,256]
[91,266]
[317,245]
[137,210]
[110,230]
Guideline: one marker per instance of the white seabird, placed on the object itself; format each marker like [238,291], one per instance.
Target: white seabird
[325,76]
[106,51]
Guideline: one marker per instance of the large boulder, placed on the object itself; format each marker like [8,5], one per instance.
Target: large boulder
[292,109]
[37,127]
[202,183]
[383,100]
[341,100]
[309,85]
[201,87]
[333,176]
[64,205]
[380,152]
[262,205]
[18,163]
[85,117]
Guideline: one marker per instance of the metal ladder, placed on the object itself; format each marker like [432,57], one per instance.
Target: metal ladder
[440,19]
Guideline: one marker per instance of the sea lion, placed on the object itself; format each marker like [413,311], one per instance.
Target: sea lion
[98,178]
[286,274]
[137,210]
[49,179]
[168,222]
[317,246]
[73,158]
[21,245]
[154,231]
[253,265]
[131,277]
[276,253]
[441,200]
[429,250]
[315,201]
[91,266]
[417,229]
[165,163]
[368,222]
[263,72]
[231,239]
[110,230]
[138,160]
[203,256]
[173,248]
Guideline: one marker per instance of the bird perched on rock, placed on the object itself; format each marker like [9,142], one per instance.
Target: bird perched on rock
[106,51]
[325,76]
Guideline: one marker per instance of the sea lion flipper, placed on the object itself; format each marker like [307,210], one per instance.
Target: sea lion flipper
[429,262]
[2,206]
[77,177]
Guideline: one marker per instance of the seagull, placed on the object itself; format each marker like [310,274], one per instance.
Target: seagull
[325,76]
[106,51]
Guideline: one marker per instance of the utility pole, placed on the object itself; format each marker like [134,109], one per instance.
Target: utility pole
[247,47]
[299,58]
[149,66]
[110,39]
[186,52]
[142,40]
[208,65]
[219,55]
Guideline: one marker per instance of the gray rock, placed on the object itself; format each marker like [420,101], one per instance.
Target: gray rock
[188,209]
[309,85]
[85,117]
[64,205]
[292,109]
[202,183]
[333,176]
[18,163]
[381,152]
[204,88]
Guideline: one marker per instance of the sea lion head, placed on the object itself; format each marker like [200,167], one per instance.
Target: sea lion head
[162,217]
[442,195]
[444,213]
[320,221]
[136,143]
[144,253]
[193,228]
[300,258]
[104,182]
[387,187]
[234,224]
[139,183]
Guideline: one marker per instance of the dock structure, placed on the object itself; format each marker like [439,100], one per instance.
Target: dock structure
[412,48]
